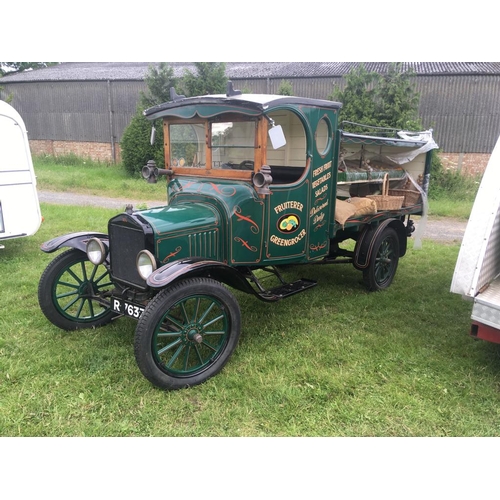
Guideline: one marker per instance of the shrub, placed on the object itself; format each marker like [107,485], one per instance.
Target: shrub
[285,88]
[451,184]
[136,139]
[136,146]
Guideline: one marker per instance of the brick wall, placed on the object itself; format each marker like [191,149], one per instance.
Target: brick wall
[97,151]
[466,163]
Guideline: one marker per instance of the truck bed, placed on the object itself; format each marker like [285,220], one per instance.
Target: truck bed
[356,221]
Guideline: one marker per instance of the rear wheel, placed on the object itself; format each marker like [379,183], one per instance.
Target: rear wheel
[383,261]
[187,333]
[70,292]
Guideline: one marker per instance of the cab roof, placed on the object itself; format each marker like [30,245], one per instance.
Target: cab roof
[234,100]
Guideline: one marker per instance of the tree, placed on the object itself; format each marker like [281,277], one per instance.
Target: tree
[210,78]
[136,145]
[285,88]
[159,81]
[397,100]
[388,100]
[17,67]
[357,97]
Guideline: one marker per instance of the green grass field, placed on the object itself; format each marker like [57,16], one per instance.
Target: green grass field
[333,361]
[78,176]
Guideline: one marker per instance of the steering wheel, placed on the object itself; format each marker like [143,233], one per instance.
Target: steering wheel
[246,165]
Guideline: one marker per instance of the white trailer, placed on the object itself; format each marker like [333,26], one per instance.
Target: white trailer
[477,271]
[20,213]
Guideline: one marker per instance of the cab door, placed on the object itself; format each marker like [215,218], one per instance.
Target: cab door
[299,212]
[287,223]
[323,182]
[287,207]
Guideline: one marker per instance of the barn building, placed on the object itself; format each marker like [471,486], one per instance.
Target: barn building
[83,108]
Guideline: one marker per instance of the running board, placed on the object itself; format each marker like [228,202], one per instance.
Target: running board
[286,290]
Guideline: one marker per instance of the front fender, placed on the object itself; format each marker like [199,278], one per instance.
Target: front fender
[196,266]
[73,240]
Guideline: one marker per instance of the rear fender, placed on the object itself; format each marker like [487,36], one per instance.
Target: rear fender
[364,245]
[73,240]
[187,268]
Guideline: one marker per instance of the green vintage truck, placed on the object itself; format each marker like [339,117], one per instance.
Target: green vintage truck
[253,183]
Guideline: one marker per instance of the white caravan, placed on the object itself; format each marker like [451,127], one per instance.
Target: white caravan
[19,207]
[477,271]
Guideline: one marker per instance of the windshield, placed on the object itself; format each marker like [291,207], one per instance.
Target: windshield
[233,144]
[187,145]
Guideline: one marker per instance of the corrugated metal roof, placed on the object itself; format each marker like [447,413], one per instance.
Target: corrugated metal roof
[91,71]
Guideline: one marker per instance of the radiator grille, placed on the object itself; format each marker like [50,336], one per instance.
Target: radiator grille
[126,241]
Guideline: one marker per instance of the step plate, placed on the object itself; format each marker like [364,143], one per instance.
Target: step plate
[486,307]
[280,292]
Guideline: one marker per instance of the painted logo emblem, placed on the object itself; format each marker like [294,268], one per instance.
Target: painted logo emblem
[288,223]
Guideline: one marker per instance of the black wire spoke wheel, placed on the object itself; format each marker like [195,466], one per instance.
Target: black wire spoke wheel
[187,333]
[70,292]
[383,261]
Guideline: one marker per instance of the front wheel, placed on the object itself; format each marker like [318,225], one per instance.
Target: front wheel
[384,260]
[71,289]
[187,333]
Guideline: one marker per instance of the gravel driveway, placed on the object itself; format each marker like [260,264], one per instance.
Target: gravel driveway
[437,229]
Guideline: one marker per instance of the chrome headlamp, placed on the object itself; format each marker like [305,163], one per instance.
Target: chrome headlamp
[96,251]
[146,264]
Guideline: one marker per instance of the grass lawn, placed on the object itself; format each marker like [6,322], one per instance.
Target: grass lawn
[333,361]
[94,179]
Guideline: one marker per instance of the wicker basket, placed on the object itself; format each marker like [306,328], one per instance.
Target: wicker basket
[411,197]
[384,201]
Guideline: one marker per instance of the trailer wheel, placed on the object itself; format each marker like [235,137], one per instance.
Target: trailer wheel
[70,292]
[383,260]
[187,333]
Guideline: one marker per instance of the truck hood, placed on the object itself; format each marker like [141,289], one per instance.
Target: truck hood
[183,217]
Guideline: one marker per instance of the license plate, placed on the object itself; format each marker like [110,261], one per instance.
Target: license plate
[126,308]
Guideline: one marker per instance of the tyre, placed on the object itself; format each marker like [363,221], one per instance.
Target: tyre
[384,260]
[71,289]
[187,333]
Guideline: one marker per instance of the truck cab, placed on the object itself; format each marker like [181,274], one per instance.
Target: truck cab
[253,183]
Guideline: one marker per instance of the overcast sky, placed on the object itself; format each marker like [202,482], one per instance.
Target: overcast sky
[387,30]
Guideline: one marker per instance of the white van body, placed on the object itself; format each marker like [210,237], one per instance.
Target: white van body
[477,271]
[20,213]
